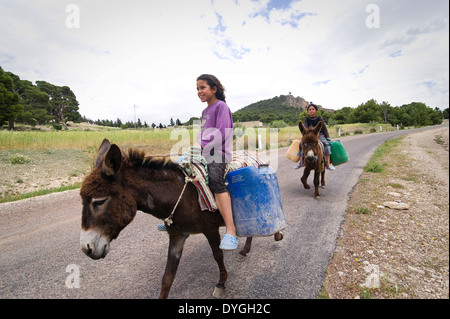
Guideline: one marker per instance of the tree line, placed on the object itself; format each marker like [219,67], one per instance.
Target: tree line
[21,101]
[41,103]
[130,124]
[413,114]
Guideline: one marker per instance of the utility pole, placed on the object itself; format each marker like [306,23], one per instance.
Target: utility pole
[135,117]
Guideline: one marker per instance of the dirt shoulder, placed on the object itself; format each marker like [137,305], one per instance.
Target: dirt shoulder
[27,171]
[386,252]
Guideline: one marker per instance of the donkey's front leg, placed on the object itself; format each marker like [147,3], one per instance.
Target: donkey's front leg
[305,176]
[316,183]
[176,244]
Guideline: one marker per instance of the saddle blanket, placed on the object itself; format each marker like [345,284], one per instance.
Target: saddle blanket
[197,170]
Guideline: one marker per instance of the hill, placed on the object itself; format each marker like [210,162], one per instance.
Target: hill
[286,108]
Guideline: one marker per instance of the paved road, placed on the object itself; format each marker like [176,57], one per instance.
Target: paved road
[40,254]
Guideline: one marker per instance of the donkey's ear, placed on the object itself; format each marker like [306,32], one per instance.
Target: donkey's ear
[113,160]
[301,127]
[104,147]
[318,127]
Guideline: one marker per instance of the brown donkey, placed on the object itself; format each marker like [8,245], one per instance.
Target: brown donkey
[314,156]
[119,185]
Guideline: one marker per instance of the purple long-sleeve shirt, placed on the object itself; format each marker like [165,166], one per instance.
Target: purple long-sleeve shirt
[216,133]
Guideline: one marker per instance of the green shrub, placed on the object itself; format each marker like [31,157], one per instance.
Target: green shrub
[278,124]
[19,159]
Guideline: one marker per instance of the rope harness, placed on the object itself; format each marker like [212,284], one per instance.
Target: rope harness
[186,160]
[169,220]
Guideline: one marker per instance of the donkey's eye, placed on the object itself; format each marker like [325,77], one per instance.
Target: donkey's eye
[96,202]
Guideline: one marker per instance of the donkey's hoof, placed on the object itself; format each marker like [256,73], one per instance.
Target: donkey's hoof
[279,236]
[306,186]
[241,257]
[317,197]
[219,292]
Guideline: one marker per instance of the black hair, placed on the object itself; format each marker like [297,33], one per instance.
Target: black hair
[313,105]
[214,82]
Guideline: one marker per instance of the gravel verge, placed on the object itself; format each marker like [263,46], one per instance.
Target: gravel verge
[394,242]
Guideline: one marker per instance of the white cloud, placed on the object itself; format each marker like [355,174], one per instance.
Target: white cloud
[149,53]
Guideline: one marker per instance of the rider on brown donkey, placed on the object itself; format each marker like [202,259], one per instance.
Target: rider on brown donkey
[311,121]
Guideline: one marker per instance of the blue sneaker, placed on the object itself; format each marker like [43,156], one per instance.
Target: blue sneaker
[298,165]
[229,242]
[161,227]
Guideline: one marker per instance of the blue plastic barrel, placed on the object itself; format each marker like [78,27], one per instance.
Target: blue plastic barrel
[256,201]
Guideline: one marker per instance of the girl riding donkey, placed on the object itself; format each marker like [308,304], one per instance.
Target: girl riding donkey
[311,121]
[120,185]
[215,139]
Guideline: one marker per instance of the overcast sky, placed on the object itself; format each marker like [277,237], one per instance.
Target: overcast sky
[117,54]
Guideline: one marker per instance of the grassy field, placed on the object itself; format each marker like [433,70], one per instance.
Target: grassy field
[78,139]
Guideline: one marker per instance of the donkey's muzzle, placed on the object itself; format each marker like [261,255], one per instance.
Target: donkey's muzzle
[310,157]
[93,244]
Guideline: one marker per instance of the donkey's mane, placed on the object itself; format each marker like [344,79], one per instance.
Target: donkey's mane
[138,158]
